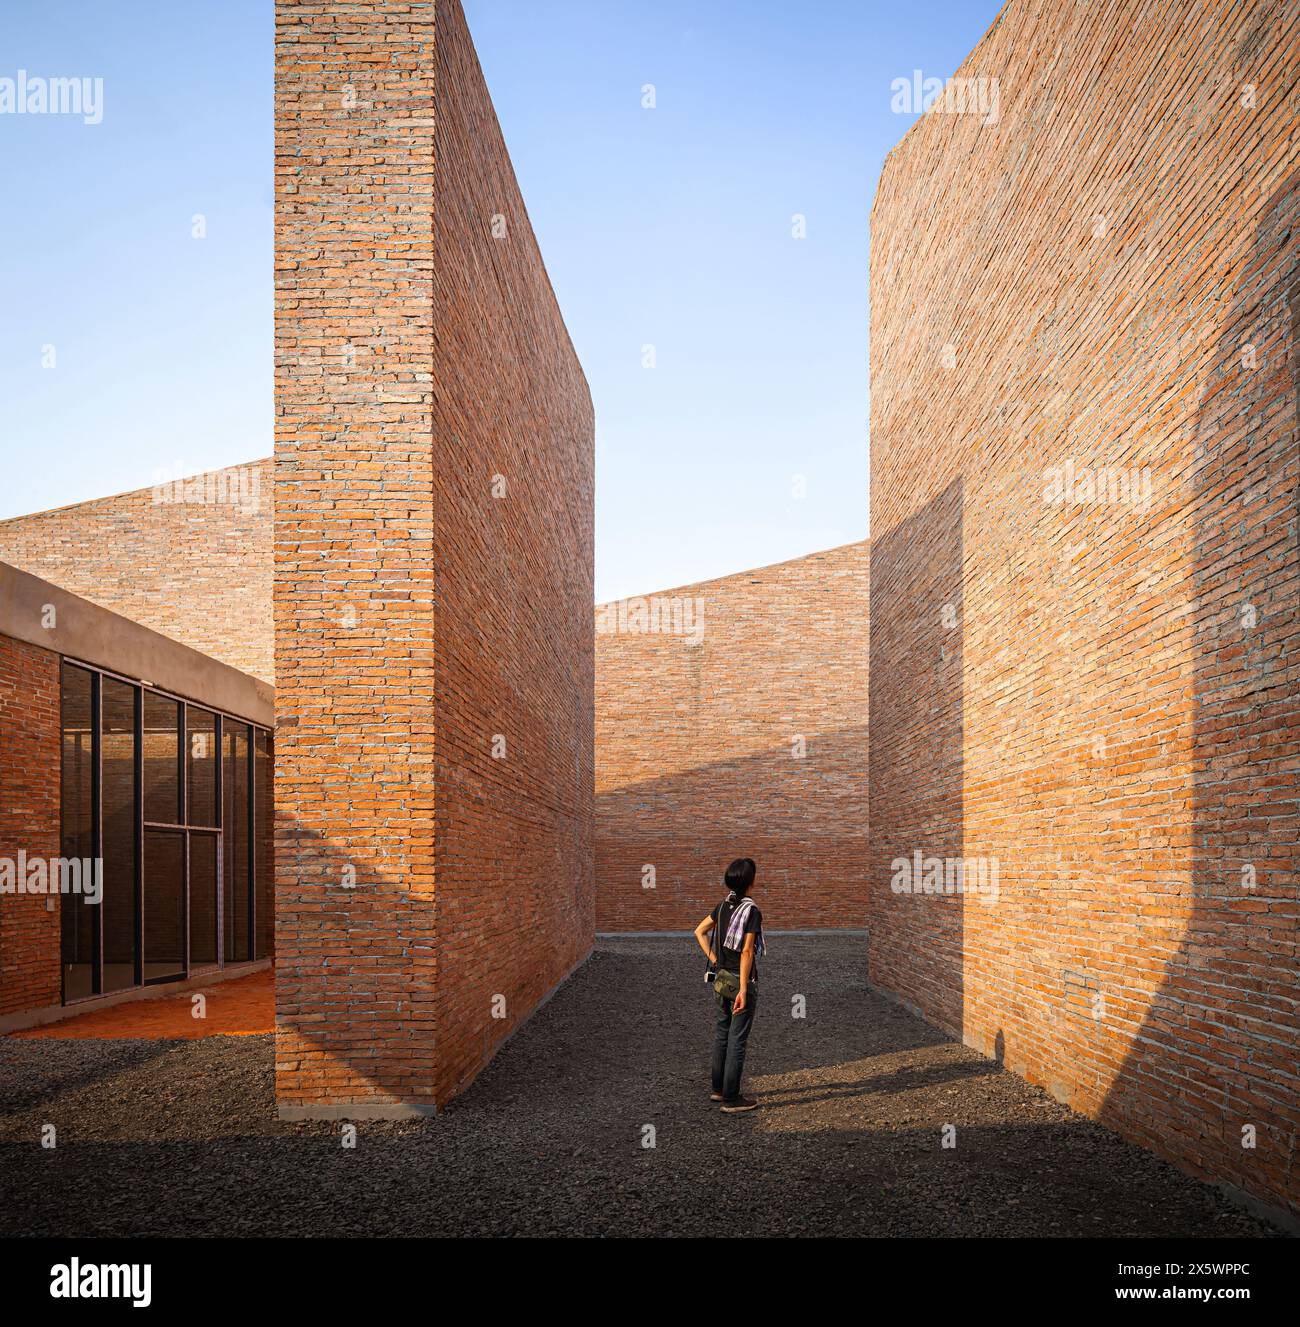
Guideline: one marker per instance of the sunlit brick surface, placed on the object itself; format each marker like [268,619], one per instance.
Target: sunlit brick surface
[29,821]
[428,893]
[241,1007]
[1099,696]
[741,734]
[191,560]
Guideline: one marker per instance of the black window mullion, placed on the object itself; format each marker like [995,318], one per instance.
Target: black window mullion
[185,903]
[219,756]
[251,745]
[183,752]
[182,771]
[139,836]
[96,832]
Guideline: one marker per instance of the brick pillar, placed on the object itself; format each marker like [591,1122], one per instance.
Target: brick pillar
[354,588]
[433,477]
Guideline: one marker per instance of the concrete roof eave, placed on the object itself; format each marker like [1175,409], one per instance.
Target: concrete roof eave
[42,614]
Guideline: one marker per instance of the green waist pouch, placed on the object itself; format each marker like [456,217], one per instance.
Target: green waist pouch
[727,983]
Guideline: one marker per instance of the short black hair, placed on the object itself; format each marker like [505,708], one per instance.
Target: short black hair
[740,875]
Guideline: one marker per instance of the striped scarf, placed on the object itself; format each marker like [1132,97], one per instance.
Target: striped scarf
[735,936]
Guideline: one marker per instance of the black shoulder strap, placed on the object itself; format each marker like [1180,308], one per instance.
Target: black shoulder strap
[722,930]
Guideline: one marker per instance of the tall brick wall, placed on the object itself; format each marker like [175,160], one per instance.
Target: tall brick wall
[514,501]
[418,616]
[1089,683]
[191,559]
[29,821]
[702,696]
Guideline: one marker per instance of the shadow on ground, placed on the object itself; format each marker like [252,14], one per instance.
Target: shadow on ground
[175,1138]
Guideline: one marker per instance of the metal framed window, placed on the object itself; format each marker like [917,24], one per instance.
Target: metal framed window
[172,890]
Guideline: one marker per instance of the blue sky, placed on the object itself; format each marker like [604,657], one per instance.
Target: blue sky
[670,227]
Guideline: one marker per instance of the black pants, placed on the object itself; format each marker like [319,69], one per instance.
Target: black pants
[729,1044]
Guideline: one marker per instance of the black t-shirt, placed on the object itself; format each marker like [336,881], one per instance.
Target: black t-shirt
[730,958]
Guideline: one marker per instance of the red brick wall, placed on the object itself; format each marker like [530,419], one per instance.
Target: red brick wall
[1100,696]
[191,560]
[29,821]
[513,630]
[417,357]
[354,578]
[697,760]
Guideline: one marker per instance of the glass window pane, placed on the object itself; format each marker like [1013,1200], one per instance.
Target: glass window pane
[234,851]
[117,911]
[161,776]
[76,919]
[203,900]
[164,903]
[263,823]
[201,766]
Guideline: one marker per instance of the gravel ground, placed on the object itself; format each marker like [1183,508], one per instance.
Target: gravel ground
[172,1137]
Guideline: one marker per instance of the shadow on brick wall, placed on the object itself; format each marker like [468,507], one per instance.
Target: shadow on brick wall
[355,977]
[361,1016]
[1216,1053]
[802,818]
[916,765]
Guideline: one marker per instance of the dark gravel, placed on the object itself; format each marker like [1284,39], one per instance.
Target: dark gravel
[172,1137]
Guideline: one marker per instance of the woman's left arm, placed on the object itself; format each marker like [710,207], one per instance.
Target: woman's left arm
[701,931]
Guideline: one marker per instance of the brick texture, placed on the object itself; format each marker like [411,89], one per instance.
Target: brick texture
[514,503]
[428,894]
[190,559]
[1098,695]
[698,751]
[29,821]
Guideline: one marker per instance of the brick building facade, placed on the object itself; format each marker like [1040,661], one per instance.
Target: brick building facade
[29,820]
[115,742]
[731,722]
[1085,587]
[433,573]
[191,559]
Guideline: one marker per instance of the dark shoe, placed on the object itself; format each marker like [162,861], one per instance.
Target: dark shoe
[738,1104]
[715,1096]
